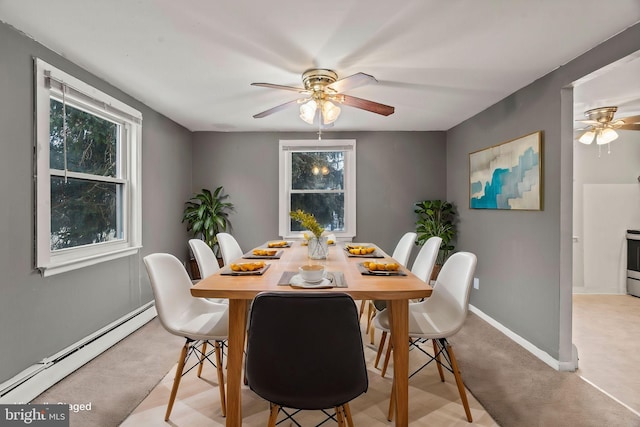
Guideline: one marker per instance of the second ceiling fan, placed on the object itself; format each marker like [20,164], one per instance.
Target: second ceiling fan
[601,125]
[323,93]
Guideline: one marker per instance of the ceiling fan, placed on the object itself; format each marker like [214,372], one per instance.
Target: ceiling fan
[321,95]
[601,125]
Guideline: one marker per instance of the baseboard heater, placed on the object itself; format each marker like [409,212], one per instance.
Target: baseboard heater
[33,381]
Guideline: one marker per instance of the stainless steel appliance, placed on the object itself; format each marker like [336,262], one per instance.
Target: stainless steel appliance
[633,262]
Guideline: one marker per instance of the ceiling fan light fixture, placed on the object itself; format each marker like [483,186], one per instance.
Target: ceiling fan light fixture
[323,92]
[606,136]
[587,137]
[330,112]
[308,111]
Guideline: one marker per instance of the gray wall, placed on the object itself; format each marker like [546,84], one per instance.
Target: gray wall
[394,170]
[522,255]
[40,316]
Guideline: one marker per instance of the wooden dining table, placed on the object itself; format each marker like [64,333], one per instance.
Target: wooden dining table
[241,289]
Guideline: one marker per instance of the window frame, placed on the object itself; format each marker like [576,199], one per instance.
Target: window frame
[49,83]
[286,147]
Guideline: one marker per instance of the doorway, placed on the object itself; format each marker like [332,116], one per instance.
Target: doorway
[606,202]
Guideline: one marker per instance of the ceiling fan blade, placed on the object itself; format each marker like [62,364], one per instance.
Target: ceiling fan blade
[364,104]
[630,119]
[351,82]
[273,86]
[276,109]
[631,126]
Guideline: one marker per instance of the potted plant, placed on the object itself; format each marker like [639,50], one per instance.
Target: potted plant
[207,214]
[436,218]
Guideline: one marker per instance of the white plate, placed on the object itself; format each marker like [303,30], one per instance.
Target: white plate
[296,280]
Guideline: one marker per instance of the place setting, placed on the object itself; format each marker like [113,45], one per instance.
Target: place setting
[374,268]
[255,268]
[362,250]
[312,276]
[263,253]
[279,244]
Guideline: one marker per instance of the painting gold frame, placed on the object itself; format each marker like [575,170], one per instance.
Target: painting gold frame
[508,175]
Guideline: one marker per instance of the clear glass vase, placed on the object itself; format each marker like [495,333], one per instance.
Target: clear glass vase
[318,247]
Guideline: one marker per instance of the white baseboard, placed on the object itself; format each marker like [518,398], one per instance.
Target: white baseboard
[540,354]
[33,381]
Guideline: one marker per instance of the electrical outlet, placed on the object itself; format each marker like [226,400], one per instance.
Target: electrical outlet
[476,283]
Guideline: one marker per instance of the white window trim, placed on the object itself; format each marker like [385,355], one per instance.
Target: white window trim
[48,262]
[286,147]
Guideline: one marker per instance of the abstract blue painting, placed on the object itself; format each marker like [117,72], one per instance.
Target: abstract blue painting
[508,175]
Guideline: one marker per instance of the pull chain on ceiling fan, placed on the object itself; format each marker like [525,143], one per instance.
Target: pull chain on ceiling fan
[323,94]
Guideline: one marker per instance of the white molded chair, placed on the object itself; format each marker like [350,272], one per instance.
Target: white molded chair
[205,258]
[197,320]
[439,317]
[426,259]
[404,247]
[207,263]
[422,267]
[401,254]
[229,248]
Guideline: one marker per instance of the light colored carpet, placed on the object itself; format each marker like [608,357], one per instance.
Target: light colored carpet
[432,402]
[119,379]
[513,386]
[519,390]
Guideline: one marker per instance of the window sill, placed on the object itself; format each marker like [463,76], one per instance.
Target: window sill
[62,267]
[340,237]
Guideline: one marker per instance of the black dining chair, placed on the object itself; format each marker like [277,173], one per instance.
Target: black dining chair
[304,352]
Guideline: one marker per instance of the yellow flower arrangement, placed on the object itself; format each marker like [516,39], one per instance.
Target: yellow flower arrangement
[308,221]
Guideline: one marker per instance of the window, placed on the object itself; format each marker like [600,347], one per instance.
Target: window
[88,199]
[318,177]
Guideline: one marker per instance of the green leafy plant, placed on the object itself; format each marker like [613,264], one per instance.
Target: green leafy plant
[207,214]
[308,221]
[436,218]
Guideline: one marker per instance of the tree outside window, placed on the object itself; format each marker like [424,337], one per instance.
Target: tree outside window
[83,211]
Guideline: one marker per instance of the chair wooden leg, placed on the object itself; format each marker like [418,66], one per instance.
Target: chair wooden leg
[459,383]
[383,338]
[347,412]
[202,357]
[386,359]
[392,400]
[372,313]
[176,379]
[223,400]
[438,363]
[362,304]
[273,414]
[340,416]
[246,340]
[369,316]
[372,335]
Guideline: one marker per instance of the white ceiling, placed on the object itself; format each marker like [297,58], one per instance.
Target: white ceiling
[617,84]
[438,62]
